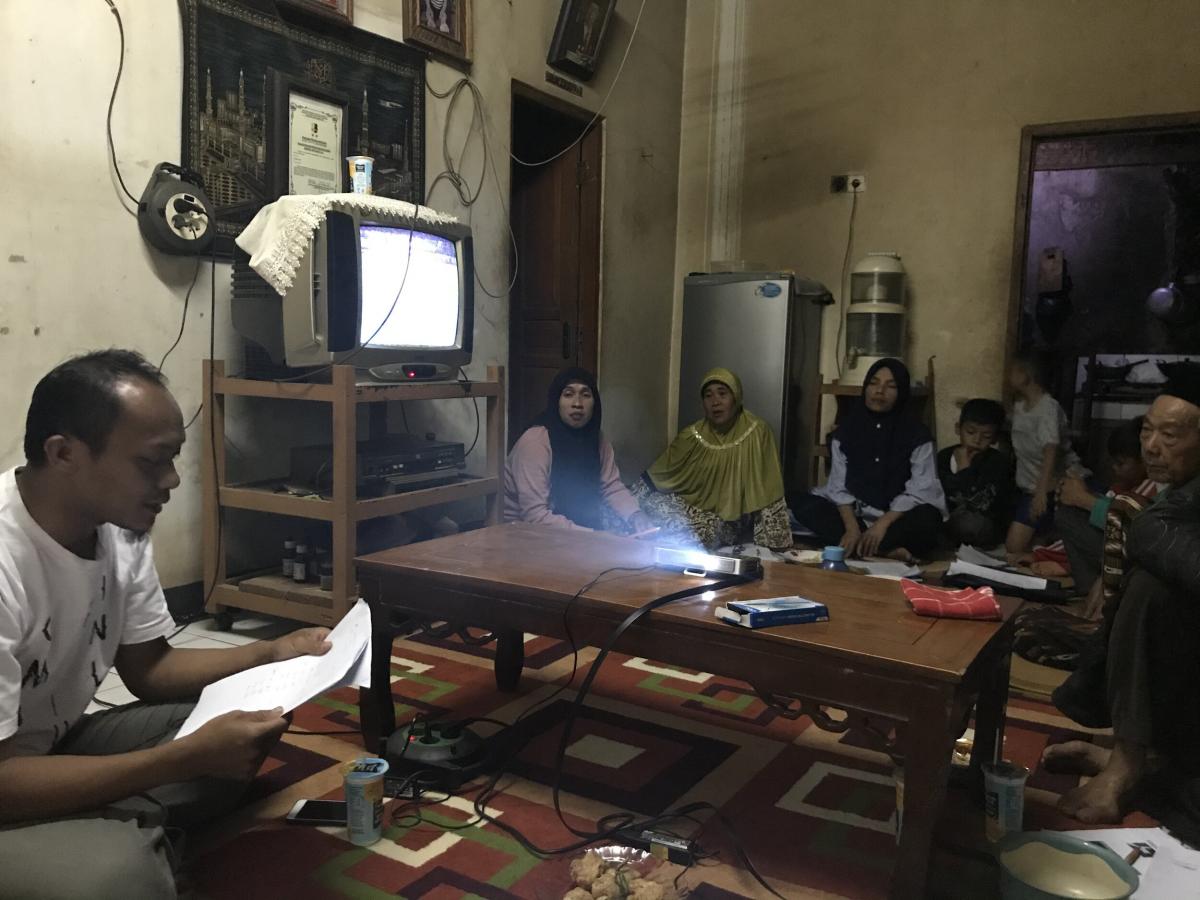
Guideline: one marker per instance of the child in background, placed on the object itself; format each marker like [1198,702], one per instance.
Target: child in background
[1039,440]
[977,477]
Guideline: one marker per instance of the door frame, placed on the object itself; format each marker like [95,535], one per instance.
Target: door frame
[1030,135]
[588,121]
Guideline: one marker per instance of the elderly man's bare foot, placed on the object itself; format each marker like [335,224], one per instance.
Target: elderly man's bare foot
[1102,800]
[1076,758]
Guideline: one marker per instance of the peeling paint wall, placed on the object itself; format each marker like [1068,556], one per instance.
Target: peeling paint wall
[78,275]
[928,98]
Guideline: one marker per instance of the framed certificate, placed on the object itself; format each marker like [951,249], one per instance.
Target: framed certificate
[309,140]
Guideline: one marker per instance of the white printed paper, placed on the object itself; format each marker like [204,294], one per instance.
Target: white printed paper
[289,683]
[968,554]
[1013,579]
[1172,872]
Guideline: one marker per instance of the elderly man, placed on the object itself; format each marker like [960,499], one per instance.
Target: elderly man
[1143,675]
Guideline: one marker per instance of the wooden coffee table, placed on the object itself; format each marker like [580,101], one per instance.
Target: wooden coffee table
[905,682]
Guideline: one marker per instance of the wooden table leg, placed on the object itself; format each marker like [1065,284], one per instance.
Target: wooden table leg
[376,710]
[510,659]
[990,716]
[928,743]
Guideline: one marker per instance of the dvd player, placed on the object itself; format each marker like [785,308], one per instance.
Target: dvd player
[399,462]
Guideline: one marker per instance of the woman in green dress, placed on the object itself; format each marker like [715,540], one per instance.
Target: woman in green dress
[719,482]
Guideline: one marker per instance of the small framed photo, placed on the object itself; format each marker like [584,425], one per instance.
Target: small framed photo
[441,26]
[579,35]
[338,10]
[307,123]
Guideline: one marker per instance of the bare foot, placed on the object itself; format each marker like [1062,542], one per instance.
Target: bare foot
[1098,802]
[1101,801]
[901,554]
[1075,758]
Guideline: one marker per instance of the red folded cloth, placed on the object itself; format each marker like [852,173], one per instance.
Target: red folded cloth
[1055,552]
[966,603]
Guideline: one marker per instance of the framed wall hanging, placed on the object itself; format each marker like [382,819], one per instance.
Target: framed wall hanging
[441,26]
[230,132]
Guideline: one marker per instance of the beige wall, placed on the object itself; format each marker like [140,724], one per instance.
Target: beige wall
[928,98]
[75,274]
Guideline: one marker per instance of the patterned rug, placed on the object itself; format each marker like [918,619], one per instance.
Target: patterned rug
[814,811]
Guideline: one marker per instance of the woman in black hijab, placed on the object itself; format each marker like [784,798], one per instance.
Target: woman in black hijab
[883,497]
[562,470]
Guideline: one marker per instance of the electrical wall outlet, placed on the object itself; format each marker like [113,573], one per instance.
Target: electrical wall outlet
[852,183]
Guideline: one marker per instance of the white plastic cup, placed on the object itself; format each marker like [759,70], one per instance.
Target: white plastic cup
[361,170]
[1003,798]
[363,782]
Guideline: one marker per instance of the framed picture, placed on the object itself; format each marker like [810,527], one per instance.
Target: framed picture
[339,10]
[579,35]
[309,143]
[442,26]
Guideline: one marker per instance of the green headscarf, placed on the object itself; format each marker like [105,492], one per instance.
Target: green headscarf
[730,473]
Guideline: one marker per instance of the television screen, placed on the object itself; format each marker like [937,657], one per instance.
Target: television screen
[410,288]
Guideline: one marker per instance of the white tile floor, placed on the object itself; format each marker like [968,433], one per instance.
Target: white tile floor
[200,635]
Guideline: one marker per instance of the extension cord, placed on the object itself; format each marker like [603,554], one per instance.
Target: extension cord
[661,846]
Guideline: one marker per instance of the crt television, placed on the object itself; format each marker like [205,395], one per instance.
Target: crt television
[378,291]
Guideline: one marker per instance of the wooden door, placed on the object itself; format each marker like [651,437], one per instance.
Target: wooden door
[554,309]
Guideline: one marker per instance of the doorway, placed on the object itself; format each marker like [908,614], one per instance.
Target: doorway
[1107,212]
[554,313]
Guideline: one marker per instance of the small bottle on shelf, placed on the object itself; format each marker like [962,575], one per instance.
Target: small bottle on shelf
[289,556]
[327,576]
[300,565]
[314,563]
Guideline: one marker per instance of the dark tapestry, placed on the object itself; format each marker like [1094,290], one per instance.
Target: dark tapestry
[229,50]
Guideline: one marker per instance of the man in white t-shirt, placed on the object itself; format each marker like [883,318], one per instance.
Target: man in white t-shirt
[84,798]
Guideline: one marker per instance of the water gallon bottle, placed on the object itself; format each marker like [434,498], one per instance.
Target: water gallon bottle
[834,559]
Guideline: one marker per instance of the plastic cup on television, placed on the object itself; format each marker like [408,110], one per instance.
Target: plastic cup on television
[361,171]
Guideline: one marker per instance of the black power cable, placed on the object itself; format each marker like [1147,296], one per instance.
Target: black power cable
[183,319]
[615,826]
[112,150]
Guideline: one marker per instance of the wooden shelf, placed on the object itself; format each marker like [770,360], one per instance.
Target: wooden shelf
[272,593]
[268,500]
[364,391]
[432,496]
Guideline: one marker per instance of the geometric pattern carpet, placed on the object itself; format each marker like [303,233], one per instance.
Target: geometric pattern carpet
[815,811]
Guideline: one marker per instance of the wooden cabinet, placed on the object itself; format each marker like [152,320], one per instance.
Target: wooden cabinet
[273,593]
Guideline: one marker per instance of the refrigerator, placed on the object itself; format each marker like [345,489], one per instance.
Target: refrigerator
[758,325]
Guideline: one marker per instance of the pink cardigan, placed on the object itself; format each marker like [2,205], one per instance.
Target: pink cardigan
[527,482]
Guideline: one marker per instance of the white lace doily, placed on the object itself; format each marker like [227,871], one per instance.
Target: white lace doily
[277,237]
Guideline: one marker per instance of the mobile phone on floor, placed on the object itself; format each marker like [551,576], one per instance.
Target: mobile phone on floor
[318,812]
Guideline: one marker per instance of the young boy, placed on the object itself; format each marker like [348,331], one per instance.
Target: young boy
[1039,440]
[977,477]
[1080,513]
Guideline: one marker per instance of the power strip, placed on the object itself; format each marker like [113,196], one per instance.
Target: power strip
[661,846]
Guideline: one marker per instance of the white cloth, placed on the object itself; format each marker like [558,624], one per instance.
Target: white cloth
[62,618]
[1033,429]
[923,485]
[278,235]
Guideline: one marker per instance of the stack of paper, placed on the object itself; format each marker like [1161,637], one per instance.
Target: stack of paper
[289,683]
[968,554]
[998,576]
[1170,871]
[884,568]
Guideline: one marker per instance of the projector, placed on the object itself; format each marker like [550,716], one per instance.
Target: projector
[697,562]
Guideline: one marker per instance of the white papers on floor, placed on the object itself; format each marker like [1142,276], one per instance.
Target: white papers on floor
[289,683]
[884,568]
[1171,873]
[969,554]
[1013,579]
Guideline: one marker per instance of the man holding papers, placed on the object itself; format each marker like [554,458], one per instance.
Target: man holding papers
[84,799]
